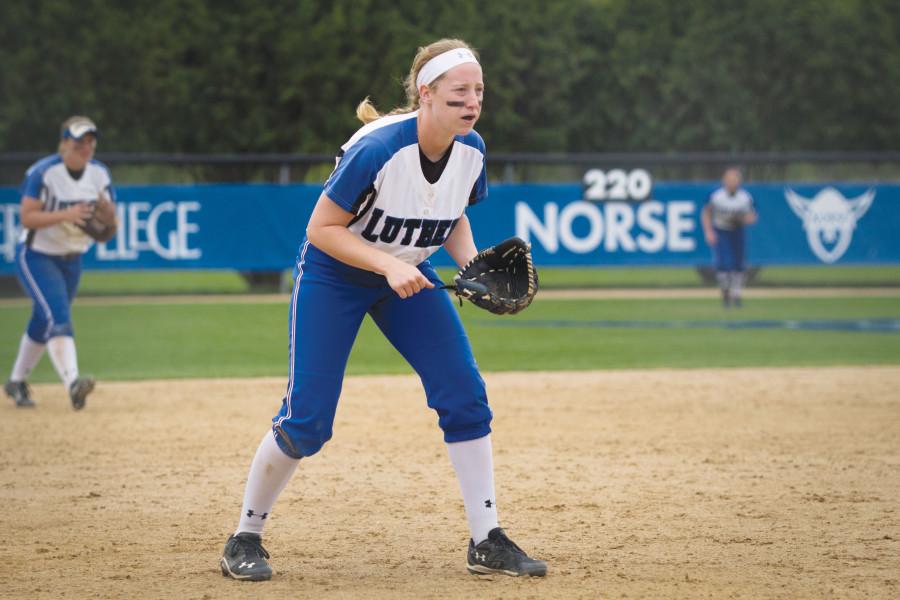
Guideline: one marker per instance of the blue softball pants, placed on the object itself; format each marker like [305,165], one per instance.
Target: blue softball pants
[730,249]
[51,282]
[328,304]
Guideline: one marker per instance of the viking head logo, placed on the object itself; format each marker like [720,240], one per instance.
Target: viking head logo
[829,220]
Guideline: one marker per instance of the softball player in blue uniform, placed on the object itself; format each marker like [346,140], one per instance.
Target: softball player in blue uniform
[57,197]
[398,193]
[729,209]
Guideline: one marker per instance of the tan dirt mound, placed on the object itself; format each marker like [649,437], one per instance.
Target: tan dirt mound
[750,483]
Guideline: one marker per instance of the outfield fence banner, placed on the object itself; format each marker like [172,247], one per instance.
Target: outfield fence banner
[605,221]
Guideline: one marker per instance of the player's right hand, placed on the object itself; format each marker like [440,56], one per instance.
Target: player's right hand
[406,279]
[711,238]
[77,213]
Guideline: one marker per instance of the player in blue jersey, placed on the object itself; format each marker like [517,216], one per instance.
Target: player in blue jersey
[729,210]
[397,194]
[58,197]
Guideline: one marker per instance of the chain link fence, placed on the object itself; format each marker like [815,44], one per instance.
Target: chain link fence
[147,168]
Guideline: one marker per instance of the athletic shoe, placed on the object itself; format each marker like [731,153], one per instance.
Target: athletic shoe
[79,390]
[20,392]
[244,558]
[499,554]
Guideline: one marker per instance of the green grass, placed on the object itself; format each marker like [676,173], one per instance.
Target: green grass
[106,283]
[114,283]
[830,275]
[662,277]
[609,277]
[141,341]
[555,348]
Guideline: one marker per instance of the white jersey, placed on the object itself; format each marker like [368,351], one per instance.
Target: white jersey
[379,178]
[49,181]
[728,210]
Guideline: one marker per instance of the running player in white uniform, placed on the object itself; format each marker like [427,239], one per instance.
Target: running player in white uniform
[57,196]
[729,209]
[398,193]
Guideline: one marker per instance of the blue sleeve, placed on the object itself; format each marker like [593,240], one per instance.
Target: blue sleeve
[355,173]
[109,189]
[480,190]
[34,181]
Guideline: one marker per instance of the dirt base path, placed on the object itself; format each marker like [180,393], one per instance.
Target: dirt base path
[745,483]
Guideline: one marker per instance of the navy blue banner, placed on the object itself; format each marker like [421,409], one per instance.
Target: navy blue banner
[798,224]
[257,227]
[246,227]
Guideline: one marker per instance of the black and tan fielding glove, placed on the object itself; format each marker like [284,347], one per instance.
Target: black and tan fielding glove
[500,279]
[102,223]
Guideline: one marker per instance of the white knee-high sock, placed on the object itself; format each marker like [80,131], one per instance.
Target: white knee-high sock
[737,283]
[269,473]
[724,280]
[474,464]
[64,358]
[30,353]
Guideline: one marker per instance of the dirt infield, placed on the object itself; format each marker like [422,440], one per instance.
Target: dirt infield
[745,483]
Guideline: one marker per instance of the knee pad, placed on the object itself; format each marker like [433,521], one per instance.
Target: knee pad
[296,446]
[301,432]
[38,330]
[61,329]
[460,399]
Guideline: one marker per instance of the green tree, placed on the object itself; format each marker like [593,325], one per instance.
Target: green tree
[196,76]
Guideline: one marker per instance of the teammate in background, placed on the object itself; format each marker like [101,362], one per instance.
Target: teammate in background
[397,194]
[728,211]
[58,196]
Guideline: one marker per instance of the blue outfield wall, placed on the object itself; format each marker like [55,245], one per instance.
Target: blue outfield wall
[258,227]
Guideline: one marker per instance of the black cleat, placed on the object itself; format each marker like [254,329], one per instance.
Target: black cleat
[499,554]
[79,390]
[20,392]
[245,558]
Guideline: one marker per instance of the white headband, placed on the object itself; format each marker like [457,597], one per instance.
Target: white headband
[442,63]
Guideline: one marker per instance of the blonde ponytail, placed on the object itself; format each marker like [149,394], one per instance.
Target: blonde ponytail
[366,111]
